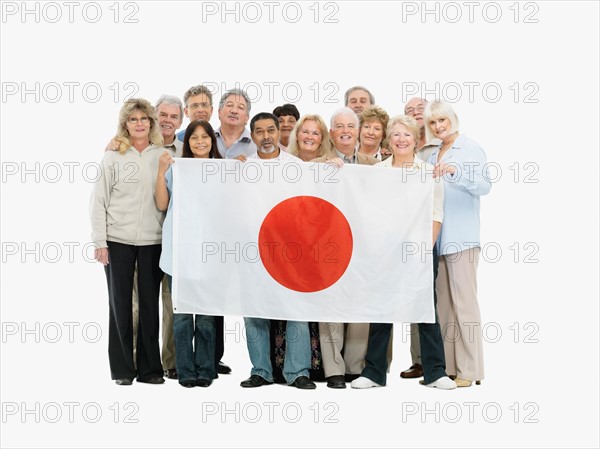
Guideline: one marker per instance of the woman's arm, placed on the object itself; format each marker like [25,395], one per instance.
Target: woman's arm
[161,194]
[98,206]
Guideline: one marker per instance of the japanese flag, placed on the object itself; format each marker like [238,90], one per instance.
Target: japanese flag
[302,241]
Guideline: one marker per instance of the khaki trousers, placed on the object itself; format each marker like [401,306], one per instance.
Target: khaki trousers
[460,319]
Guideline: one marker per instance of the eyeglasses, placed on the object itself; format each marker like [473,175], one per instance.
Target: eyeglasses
[135,120]
[411,111]
[202,105]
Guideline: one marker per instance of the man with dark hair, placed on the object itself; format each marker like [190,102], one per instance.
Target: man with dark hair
[288,115]
[265,134]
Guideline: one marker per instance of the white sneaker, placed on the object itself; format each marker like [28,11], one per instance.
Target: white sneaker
[443,383]
[363,382]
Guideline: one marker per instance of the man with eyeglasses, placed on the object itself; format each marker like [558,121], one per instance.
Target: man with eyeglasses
[351,338]
[415,108]
[198,102]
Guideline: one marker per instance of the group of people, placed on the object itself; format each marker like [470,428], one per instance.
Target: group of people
[132,231]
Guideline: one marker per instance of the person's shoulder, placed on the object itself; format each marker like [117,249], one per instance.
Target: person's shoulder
[287,157]
[365,159]
[386,162]
[467,143]
[321,159]
[158,149]
[424,164]
[111,156]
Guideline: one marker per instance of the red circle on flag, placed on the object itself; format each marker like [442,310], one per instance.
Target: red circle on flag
[305,243]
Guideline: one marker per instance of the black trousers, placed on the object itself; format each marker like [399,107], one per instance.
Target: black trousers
[119,276]
[432,345]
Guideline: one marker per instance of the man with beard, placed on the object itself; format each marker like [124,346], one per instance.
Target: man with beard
[265,134]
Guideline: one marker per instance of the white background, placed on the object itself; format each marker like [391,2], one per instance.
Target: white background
[544,365]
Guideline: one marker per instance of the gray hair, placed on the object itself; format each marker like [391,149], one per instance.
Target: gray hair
[344,111]
[197,90]
[352,89]
[238,92]
[172,100]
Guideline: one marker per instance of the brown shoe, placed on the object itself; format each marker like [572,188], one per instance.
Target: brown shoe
[413,372]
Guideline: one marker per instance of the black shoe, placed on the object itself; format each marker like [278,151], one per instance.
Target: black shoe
[124,381]
[171,373]
[203,382]
[336,382]
[188,383]
[351,377]
[255,381]
[223,369]
[153,380]
[304,383]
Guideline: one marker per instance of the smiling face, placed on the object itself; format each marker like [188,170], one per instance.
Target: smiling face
[265,136]
[309,137]
[234,111]
[198,108]
[371,133]
[402,141]
[441,127]
[169,120]
[200,143]
[138,125]
[286,125]
[344,133]
[358,100]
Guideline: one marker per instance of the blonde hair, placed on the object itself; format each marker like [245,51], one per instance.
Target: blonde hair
[439,109]
[128,108]
[410,123]
[325,146]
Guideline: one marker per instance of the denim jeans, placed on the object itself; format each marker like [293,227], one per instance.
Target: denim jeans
[297,355]
[197,360]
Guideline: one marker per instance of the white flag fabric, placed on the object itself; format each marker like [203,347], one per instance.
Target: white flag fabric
[302,241]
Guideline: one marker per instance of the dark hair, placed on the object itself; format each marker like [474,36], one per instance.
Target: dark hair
[287,109]
[263,116]
[214,150]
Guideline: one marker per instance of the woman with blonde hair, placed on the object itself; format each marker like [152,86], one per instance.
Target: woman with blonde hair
[461,163]
[127,230]
[309,138]
[403,137]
